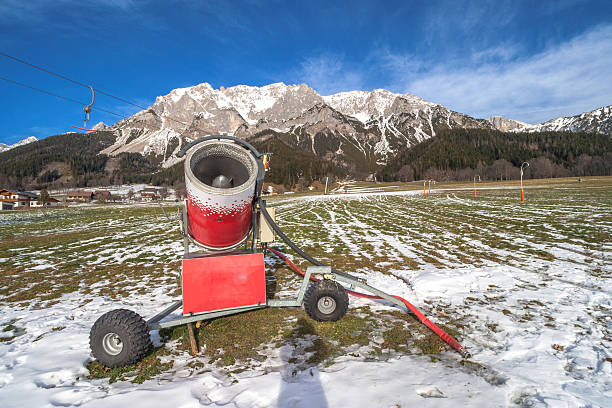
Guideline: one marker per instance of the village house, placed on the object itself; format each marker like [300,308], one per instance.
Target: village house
[102,195]
[149,193]
[15,200]
[80,196]
[51,202]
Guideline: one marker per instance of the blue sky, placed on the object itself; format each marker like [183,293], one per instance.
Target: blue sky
[526,60]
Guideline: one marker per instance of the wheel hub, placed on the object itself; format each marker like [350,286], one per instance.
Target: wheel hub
[326,304]
[112,344]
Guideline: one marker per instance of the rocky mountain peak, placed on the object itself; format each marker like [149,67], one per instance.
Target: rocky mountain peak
[369,105]
[100,126]
[5,147]
[373,124]
[505,124]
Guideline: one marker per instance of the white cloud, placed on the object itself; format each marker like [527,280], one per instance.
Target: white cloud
[38,132]
[129,110]
[36,10]
[563,80]
[43,131]
[465,18]
[501,53]
[328,74]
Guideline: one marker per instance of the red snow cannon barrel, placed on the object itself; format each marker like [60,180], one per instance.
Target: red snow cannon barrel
[220,179]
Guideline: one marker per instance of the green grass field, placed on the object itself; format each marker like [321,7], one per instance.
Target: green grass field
[453,255]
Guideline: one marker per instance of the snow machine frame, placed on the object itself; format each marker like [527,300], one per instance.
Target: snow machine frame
[135,331]
[326,272]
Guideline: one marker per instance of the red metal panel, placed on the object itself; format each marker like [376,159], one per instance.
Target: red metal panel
[223,282]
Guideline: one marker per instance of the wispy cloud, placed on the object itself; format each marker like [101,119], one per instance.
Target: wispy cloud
[556,82]
[564,79]
[18,11]
[37,131]
[465,17]
[328,74]
[501,53]
[88,19]
[42,131]
[129,110]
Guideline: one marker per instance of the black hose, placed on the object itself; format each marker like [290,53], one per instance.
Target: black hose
[254,227]
[292,245]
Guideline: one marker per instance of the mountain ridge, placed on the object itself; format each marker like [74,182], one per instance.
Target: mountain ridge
[377,124]
[354,134]
[22,142]
[598,120]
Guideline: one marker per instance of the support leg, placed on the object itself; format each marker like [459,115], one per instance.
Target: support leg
[192,339]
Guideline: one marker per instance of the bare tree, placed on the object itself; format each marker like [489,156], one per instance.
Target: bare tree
[44,196]
[180,191]
[163,193]
[432,173]
[406,173]
[302,184]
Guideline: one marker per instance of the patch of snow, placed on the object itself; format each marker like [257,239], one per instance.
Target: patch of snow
[430,392]
[522,361]
[177,94]
[361,116]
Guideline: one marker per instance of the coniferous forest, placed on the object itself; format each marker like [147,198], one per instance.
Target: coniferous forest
[43,162]
[460,154]
[73,160]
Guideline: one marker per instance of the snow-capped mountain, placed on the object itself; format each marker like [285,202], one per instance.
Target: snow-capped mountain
[365,106]
[368,127]
[100,126]
[5,147]
[595,121]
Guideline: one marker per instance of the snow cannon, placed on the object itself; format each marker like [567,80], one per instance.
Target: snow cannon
[220,178]
[226,229]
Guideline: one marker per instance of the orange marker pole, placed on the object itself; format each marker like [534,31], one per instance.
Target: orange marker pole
[525,164]
[474,193]
[429,190]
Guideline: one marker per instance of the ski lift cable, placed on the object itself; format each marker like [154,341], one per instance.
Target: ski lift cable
[80,84]
[79,102]
[83,85]
[60,96]
[68,79]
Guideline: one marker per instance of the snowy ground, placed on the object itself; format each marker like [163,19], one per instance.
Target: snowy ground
[526,287]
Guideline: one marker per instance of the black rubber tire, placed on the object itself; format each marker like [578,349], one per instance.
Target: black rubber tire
[132,331]
[321,289]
